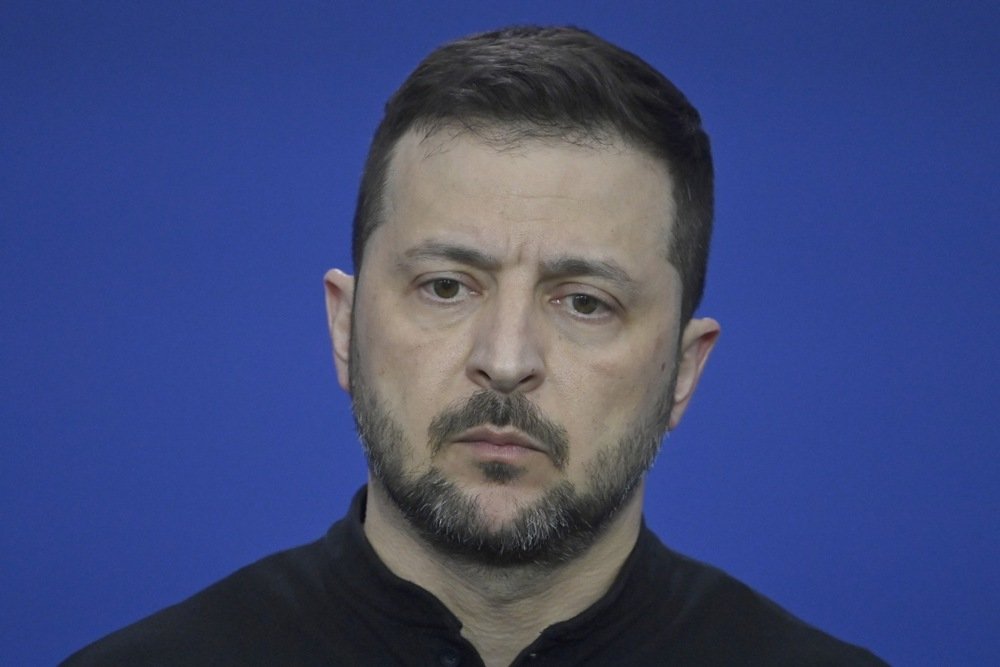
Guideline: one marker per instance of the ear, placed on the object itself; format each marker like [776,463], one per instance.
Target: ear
[697,341]
[339,305]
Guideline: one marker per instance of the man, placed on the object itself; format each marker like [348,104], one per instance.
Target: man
[530,246]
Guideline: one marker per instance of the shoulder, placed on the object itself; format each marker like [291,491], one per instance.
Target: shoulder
[249,614]
[716,619]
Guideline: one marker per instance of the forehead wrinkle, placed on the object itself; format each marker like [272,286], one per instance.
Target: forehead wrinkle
[414,152]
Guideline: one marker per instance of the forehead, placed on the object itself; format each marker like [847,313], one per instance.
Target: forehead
[531,195]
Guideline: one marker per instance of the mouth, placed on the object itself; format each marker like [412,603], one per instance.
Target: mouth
[500,440]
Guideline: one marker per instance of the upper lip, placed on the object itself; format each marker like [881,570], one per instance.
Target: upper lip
[501,437]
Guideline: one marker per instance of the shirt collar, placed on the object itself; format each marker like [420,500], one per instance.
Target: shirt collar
[356,564]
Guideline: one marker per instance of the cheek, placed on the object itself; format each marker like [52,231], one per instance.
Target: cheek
[619,390]
[409,364]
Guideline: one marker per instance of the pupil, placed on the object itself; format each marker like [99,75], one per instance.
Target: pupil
[584,304]
[446,288]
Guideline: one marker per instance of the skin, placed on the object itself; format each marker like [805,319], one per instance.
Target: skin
[466,286]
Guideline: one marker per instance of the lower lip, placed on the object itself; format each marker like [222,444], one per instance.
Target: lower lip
[494,452]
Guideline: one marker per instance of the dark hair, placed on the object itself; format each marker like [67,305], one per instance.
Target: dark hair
[567,83]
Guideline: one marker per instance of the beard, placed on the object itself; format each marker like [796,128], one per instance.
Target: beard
[553,529]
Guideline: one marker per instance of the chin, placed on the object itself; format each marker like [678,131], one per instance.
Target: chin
[498,506]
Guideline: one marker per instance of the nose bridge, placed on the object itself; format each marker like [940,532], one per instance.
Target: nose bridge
[507,350]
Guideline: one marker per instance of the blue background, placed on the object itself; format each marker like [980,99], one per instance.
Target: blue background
[175,178]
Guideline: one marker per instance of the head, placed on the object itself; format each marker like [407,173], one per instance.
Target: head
[530,245]
[554,83]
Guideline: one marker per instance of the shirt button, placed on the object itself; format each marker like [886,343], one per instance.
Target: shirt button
[449,657]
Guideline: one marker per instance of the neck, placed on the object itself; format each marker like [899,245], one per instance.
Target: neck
[502,610]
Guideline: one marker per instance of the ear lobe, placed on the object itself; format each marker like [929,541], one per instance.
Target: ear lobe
[339,306]
[697,341]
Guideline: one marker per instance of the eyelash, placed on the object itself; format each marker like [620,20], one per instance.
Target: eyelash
[603,309]
[428,288]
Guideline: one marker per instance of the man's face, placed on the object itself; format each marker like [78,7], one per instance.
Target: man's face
[514,340]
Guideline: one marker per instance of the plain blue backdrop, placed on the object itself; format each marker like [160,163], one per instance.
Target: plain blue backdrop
[175,177]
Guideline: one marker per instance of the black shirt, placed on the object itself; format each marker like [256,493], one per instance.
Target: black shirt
[333,602]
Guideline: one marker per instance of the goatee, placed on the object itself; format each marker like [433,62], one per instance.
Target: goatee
[548,531]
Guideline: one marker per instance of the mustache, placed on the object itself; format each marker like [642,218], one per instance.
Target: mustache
[487,407]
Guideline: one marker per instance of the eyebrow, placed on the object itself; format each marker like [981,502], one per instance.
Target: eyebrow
[456,253]
[557,267]
[578,266]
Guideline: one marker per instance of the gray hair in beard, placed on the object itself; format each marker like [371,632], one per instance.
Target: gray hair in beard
[551,530]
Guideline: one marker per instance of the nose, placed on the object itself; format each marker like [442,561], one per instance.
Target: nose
[506,354]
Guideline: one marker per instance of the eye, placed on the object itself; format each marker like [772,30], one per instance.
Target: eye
[585,304]
[445,288]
